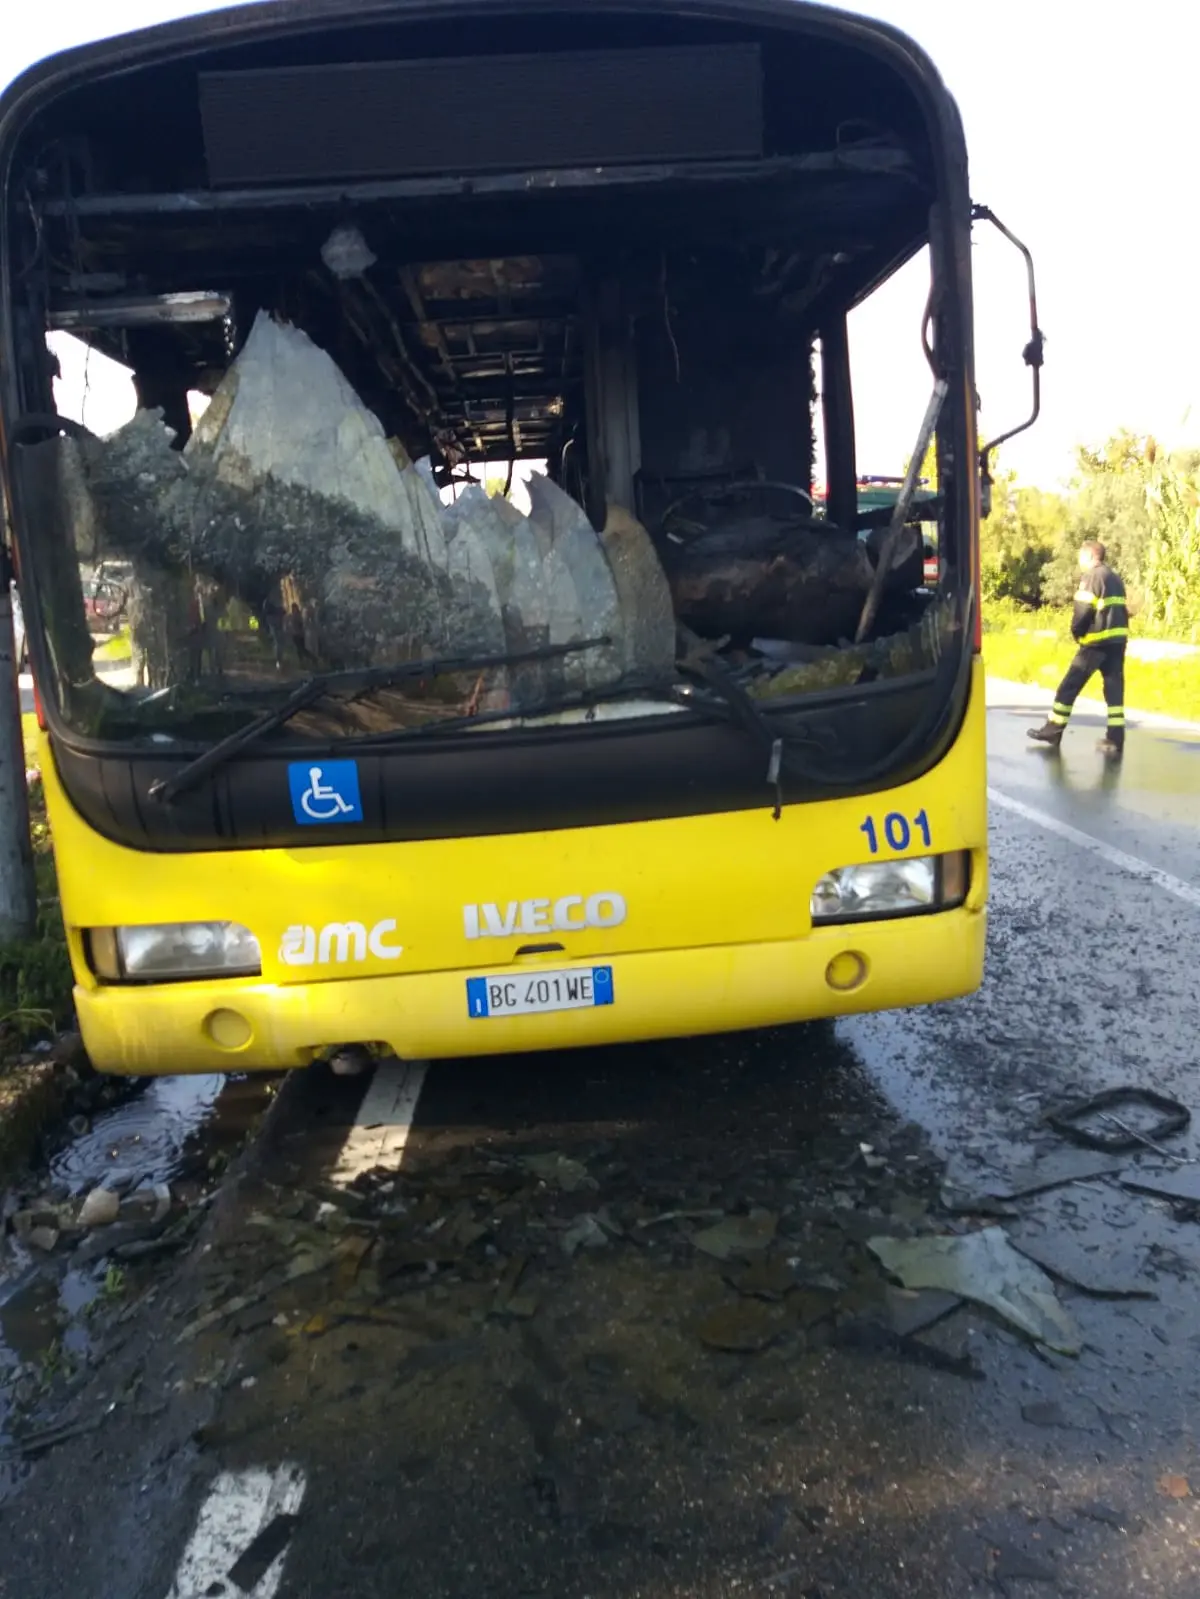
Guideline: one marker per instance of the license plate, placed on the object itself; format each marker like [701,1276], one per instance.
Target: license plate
[533,992]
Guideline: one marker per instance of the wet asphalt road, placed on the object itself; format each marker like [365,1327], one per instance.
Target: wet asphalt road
[441,1401]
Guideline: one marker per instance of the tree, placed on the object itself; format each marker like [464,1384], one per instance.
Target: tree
[1143,504]
[1023,534]
[1171,558]
[1108,502]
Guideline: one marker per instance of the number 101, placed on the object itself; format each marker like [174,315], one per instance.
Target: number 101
[897,830]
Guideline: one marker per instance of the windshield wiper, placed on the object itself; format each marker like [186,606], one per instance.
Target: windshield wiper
[357,681]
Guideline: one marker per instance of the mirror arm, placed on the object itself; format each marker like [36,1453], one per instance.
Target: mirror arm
[1033,355]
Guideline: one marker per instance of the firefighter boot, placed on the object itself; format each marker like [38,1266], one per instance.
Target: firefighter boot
[1113,743]
[1050,733]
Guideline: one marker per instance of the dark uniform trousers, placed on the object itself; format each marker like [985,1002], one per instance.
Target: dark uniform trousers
[1108,659]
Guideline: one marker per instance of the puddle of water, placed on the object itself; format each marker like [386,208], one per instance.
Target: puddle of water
[142,1138]
[172,1128]
[29,1319]
[170,1132]
[42,1332]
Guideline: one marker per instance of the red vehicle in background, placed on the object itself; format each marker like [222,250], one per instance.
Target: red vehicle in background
[106,595]
[877,493]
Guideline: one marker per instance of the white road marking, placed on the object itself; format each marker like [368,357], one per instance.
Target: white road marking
[239,1506]
[384,1120]
[243,1504]
[1187,892]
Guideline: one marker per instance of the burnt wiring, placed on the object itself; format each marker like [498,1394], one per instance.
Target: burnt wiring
[710,671]
[667,322]
[510,420]
[927,322]
[39,239]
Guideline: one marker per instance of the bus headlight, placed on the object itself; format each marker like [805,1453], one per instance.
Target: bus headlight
[891,888]
[173,952]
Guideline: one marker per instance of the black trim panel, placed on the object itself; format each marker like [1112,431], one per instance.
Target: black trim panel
[386,119]
[586,776]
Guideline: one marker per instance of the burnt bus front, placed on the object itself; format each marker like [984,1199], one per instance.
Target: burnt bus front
[377,753]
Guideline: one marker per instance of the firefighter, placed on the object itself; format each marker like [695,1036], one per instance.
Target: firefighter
[1100,626]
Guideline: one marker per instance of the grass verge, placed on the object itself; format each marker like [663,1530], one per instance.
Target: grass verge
[117,648]
[35,1001]
[35,973]
[1036,647]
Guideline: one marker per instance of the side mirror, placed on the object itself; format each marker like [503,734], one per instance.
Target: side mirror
[1033,355]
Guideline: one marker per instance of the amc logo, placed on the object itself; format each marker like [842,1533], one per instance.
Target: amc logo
[338,943]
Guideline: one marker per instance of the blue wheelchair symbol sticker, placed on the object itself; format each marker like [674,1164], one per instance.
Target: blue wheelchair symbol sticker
[325,793]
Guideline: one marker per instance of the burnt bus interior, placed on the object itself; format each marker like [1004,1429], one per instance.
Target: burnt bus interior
[613,243]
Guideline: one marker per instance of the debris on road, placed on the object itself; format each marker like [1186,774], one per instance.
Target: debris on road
[985,1268]
[1078,1267]
[744,1328]
[25,1220]
[771,1280]
[1111,1516]
[1174,1486]
[626,1293]
[1045,1413]
[867,1337]
[560,1171]
[1180,1186]
[585,1233]
[101,1207]
[912,1311]
[964,1192]
[1005,1563]
[1072,1120]
[1059,1168]
[151,1205]
[33,1444]
[252,1565]
[737,1236]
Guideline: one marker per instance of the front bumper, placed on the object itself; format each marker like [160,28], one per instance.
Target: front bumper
[248,1025]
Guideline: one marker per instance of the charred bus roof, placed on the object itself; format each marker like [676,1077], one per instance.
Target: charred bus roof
[207,156]
[300,32]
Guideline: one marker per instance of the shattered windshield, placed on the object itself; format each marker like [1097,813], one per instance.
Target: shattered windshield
[290,536]
[348,449]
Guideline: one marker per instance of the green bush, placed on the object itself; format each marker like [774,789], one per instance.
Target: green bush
[1140,503]
[35,973]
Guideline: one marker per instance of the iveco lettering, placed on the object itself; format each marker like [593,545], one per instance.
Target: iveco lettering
[680,732]
[565,915]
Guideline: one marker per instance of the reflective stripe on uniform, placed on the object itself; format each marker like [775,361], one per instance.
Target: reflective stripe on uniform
[1101,638]
[1113,599]
[1060,716]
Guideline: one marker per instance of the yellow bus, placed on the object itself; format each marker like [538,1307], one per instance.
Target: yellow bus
[486,677]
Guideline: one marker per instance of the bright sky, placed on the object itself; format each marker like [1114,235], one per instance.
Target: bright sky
[1080,128]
